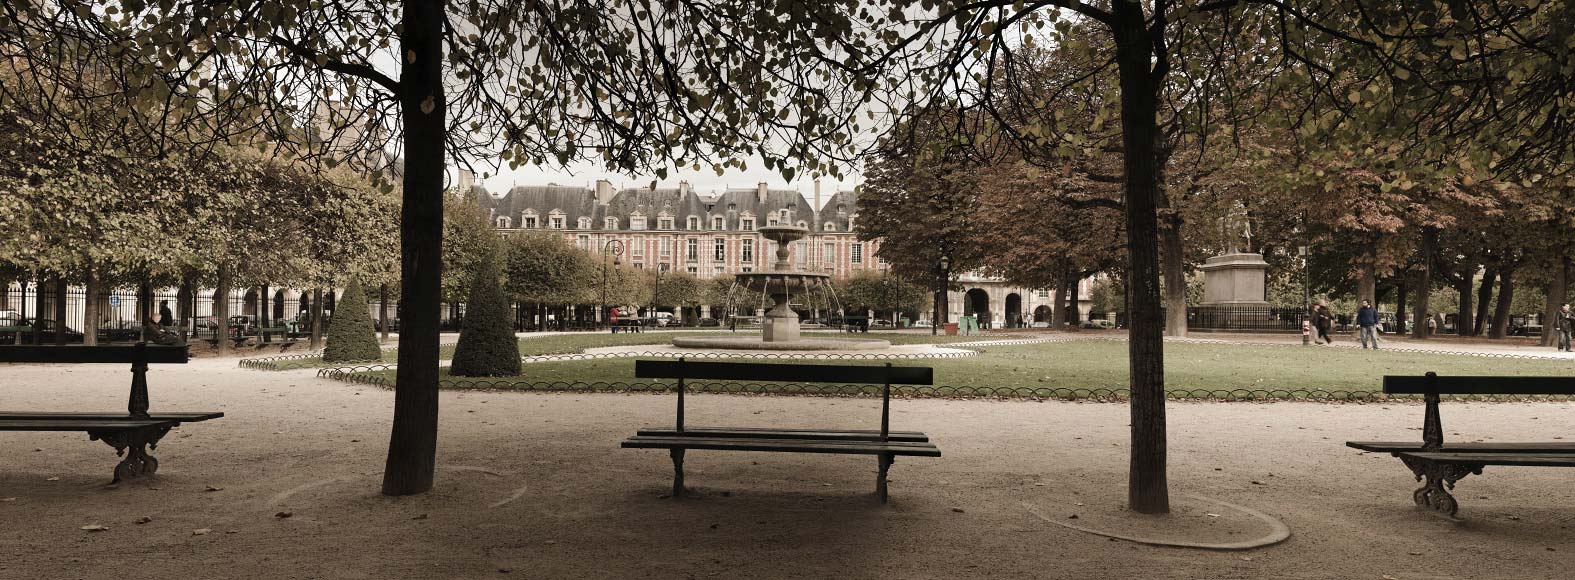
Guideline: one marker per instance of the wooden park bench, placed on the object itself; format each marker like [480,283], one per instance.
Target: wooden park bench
[885,444]
[131,433]
[1440,465]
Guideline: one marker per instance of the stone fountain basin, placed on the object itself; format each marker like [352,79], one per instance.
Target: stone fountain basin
[756,343]
[782,282]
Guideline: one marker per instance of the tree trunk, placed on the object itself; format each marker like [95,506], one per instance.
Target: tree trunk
[315,338]
[262,306]
[1147,490]
[184,304]
[90,305]
[1175,276]
[1367,284]
[382,310]
[1424,284]
[412,446]
[221,311]
[38,309]
[1484,298]
[60,311]
[1463,319]
[1073,309]
[1506,294]
[1558,285]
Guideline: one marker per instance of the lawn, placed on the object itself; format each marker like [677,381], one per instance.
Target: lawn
[1056,368]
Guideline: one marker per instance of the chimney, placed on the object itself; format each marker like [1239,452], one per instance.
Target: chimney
[817,195]
[466,180]
[760,192]
[683,188]
[604,192]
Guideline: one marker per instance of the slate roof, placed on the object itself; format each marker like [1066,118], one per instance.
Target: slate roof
[733,204]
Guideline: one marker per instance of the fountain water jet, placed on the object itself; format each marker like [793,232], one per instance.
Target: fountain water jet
[780,329]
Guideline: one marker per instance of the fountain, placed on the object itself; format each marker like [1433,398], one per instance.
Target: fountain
[780,329]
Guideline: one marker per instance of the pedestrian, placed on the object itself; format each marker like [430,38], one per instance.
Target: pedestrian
[166,317]
[1367,323]
[1323,321]
[1566,323]
[1432,324]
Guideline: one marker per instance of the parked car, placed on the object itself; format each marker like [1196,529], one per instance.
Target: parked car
[710,322]
[1098,324]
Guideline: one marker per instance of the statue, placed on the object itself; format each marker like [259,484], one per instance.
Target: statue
[1236,221]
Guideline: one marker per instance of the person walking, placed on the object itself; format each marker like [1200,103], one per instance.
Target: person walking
[1367,323]
[1566,324]
[1323,321]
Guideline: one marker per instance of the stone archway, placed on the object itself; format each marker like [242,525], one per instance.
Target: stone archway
[1014,310]
[1042,314]
[976,303]
[249,303]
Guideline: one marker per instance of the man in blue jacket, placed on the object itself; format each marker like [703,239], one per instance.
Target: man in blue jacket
[1367,319]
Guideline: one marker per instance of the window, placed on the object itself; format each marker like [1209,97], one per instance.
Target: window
[583,223]
[784,217]
[694,223]
[828,254]
[830,227]
[667,246]
[771,221]
[555,222]
[747,269]
[530,222]
[664,223]
[637,250]
[663,267]
[721,249]
[636,222]
[748,251]
[693,251]
[720,271]
[583,241]
[851,227]
[693,270]
[747,224]
[856,255]
[639,265]
[505,223]
[610,223]
[1044,293]
[803,224]
[717,223]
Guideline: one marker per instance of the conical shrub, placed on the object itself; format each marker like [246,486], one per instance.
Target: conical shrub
[350,333]
[487,347]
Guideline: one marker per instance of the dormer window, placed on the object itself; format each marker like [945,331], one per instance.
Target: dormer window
[784,217]
[636,221]
[610,223]
[771,221]
[664,223]
[850,221]
[830,227]
[717,223]
[694,223]
[746,224]
[583,223]
[529,222]
[803,224]
[505,223]
[555,219]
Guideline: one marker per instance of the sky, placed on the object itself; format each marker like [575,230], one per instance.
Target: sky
[704,182]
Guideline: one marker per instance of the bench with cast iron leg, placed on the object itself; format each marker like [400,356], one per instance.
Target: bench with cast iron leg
[131,433]
[1440,465]
[884,443]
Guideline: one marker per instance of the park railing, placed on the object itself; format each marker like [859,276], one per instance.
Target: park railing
[1246,318]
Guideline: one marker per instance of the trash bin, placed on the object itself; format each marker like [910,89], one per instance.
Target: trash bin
[903,322]
[951,328]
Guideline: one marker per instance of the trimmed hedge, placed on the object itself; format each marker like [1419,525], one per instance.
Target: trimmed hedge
[351,336]
[487,346]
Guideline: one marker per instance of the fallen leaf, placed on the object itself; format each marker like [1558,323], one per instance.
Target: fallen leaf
[283,514]
[200,532]
[94,528]
[143,520]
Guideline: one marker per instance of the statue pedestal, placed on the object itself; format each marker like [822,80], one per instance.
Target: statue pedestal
[781,323]
[1234,280]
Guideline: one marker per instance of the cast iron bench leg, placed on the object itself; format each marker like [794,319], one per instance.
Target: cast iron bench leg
[133,445]
[1439,479]
[886,460]
[678,472]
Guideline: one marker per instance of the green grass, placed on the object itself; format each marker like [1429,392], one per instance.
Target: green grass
[1103,365]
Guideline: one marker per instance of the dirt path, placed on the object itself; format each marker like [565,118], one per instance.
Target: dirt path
[536,484]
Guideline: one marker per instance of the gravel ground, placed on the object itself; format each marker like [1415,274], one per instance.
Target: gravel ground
[535,486]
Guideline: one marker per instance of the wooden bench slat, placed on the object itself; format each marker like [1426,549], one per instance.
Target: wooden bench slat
[1474,447]
[788,445]
[91,354]
[1480,385]
[109,415]
[768,433]
[795,373]
[76,424]
[1508,459]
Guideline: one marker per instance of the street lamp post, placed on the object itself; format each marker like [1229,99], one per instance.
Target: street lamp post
[1306,297]
[617,252]
[942,302]
[657,295]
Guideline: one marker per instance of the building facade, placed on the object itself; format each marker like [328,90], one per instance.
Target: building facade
[716,234]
